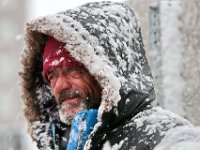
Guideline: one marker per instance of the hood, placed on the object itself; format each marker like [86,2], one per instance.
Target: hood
[106,38]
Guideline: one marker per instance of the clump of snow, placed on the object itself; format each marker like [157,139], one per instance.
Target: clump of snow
[181,138]
[107,146]
[156,118]
[56,62]
[58,51]
[82,126]
[116,146]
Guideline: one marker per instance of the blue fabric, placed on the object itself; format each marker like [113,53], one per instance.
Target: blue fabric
[53,128]
[82,124]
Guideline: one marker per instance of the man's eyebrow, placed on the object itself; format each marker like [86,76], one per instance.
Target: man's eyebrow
[51,71]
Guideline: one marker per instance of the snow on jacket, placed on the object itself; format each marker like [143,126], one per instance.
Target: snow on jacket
[106,38]
[181,138]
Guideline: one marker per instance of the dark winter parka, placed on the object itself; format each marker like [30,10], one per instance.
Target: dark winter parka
[106,38]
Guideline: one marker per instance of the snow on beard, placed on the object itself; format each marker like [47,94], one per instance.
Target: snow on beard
[68,110]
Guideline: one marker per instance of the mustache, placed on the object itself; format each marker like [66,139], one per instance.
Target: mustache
[67,94]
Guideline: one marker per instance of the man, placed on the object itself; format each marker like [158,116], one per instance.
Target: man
[72,86]
[89,64]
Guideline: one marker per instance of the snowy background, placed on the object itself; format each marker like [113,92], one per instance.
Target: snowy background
[171,35]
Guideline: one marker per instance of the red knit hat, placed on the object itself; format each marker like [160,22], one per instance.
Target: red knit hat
[55,55]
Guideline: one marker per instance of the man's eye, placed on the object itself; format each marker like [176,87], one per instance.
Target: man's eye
[51,77]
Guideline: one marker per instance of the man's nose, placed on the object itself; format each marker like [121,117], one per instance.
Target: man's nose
[63,83]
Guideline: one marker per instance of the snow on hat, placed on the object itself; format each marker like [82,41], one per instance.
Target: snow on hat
[55,55]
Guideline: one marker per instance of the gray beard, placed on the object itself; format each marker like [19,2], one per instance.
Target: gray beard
[67,118]
[86,103]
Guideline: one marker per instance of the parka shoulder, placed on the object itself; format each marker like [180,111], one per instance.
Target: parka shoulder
[145,130]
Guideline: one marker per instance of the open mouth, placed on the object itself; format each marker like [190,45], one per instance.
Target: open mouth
[71,101]
[71,97]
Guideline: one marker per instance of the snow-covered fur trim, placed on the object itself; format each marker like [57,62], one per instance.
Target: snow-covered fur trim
[106,38]
[43,139]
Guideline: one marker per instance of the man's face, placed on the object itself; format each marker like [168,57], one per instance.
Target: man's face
[74,90]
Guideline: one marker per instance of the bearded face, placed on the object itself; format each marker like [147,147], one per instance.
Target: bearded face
[75,90]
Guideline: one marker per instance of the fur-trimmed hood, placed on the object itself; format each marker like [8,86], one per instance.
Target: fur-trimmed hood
[106,38]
